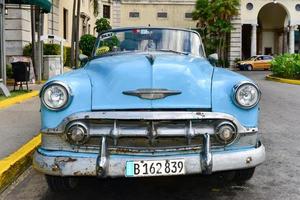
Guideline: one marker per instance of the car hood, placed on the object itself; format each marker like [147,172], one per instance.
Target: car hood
[245,62]
[112,76]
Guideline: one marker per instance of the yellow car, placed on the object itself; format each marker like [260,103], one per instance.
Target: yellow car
[259,62]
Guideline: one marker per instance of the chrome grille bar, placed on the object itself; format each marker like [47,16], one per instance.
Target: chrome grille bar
[150,116]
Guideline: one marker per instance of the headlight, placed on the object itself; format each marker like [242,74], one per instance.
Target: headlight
[55,95]
[246,95]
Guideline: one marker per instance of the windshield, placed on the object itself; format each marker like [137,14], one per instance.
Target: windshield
[253,58]
[149,39]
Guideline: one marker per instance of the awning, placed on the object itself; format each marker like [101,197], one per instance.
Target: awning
[45,5]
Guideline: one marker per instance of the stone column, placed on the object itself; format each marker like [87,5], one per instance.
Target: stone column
[254,40]
[292,40]
[116,13]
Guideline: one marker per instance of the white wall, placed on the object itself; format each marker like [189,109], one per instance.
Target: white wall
[267,41]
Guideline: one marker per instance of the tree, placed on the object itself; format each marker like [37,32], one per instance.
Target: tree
[75,29]
[214,24]
[102,24]
[86,44]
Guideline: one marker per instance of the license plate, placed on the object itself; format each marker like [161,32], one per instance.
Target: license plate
[154,168]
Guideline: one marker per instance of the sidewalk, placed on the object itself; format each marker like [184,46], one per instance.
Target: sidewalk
[19,124]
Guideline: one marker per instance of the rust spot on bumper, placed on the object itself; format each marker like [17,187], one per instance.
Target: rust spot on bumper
[79,173]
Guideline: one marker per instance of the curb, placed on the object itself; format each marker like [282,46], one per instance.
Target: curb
[16,163]
[18,99]
[283,80]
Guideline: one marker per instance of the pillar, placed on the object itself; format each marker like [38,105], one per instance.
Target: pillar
[254,40]
[292,39]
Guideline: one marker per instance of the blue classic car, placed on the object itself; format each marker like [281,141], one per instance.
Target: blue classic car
[148,103]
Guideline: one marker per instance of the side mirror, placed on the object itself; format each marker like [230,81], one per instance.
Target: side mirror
[213,59]
[83,58]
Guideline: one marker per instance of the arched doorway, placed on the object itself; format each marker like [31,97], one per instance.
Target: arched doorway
[272,30]
[272,34]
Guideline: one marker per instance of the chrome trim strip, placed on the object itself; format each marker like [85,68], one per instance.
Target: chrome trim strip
[149,115]
[151,93]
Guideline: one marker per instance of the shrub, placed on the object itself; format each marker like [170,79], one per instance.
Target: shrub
[49,49]
[86,44]
[68,57]
[102,24]
[286,66]
[9,72]
[27,50]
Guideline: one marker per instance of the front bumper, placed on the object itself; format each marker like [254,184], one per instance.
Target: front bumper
[62,163]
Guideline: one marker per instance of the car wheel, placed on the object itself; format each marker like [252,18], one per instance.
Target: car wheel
[249,67]
[61,184]
[243,175]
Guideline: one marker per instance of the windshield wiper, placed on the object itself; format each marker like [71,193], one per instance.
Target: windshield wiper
[173,51]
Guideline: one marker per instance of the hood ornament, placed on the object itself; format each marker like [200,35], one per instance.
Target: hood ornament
[151,58]
[152,94]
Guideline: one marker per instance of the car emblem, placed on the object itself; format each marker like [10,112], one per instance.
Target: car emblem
[152,94]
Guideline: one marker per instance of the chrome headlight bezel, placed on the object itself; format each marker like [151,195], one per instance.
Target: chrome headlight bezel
[65,87]
[238,86]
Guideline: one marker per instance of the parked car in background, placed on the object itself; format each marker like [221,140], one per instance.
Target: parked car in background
[259,62]
[148,103]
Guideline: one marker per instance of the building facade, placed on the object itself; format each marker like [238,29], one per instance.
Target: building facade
[170,13]
[58,22]
[262,27]
[266,27]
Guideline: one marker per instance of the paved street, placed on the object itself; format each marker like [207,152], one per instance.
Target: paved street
[19,124]
[276,179]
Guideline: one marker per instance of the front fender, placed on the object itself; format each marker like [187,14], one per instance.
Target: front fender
[222,88]
[80,85]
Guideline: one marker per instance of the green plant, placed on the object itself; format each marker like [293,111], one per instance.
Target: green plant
[237,60]
[51,49]
[102,24]
[286,66]
[9,72]
[27,50]
[214,23]
[86,44]
[68,57]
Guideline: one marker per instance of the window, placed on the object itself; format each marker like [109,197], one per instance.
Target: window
[134,14]
[259,58]
[65,23]
[106,11]
[249,6]
[162,15]
[188,15]
[268,57]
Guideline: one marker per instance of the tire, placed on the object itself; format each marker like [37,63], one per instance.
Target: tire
[249,67]
[243,175]
[61,184]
